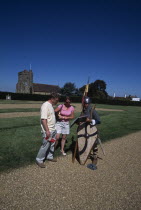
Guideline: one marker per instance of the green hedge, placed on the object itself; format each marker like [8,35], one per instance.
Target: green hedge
[116,102]
[75,99]
[24,96]
[78,99]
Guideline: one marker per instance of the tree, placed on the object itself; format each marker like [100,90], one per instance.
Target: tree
[78,92]
[82,89]
[68,89]
[99,85]
[97,89]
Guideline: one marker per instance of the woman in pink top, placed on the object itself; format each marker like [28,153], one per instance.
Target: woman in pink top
[66,112]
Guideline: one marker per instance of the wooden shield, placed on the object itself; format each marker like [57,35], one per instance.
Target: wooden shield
[87,136]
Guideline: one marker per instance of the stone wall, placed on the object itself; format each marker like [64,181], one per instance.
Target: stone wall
[25,82]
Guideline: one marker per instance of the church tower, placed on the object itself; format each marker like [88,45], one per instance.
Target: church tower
[25,82]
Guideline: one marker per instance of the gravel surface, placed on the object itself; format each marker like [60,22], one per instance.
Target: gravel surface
[116,184]
[14,106]
[19,114]
[27,114]
[78,107]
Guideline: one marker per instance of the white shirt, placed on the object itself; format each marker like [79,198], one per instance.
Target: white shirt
[47,112]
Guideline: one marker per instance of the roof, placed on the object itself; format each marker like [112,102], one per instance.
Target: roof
[45,88]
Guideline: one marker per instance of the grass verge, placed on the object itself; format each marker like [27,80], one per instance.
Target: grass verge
[20,138]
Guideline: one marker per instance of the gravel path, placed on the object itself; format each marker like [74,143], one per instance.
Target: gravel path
[14,106]
[18,114]
[28,114]
[77,106]
[116,184]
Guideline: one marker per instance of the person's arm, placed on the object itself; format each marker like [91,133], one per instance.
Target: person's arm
[44,116]
[95,118]
[69,117]
[45,126]
[58,108]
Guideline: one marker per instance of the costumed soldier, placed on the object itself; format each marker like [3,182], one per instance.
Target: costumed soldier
[87,135]
[92,119]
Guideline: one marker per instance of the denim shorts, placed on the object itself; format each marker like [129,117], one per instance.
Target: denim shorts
[62,127]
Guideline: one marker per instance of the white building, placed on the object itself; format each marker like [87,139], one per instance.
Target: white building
[136,99]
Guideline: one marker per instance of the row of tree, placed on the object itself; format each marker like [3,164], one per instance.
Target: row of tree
[97,89]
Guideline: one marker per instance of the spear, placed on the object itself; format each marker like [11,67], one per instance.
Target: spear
[83,97]
[85,92]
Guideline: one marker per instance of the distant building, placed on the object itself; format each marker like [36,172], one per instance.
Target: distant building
[25,85]
[25,82]
[44,89]
[136,99]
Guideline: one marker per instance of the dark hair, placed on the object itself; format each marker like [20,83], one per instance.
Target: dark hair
[67,98]
[53,95]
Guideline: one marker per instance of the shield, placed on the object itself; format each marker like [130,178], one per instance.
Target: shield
[87,135]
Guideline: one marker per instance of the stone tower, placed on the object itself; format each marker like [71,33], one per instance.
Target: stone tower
[25,82]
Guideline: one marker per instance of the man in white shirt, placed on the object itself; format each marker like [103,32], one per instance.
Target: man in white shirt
[48,131]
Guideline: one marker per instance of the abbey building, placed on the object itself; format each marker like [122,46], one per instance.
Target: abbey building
[25,85]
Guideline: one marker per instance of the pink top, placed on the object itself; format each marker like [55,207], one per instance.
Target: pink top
[65,112]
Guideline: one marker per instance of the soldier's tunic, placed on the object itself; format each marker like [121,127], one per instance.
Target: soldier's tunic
[88,111]
[92,114]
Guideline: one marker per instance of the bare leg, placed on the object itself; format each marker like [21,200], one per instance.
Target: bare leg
[64,136]
[57,139]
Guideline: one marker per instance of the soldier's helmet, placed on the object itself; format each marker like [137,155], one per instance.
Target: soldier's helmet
[87,100]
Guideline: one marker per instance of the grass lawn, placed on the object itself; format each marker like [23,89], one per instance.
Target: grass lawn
[20,138]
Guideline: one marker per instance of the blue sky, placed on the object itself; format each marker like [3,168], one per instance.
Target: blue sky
[69,41]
